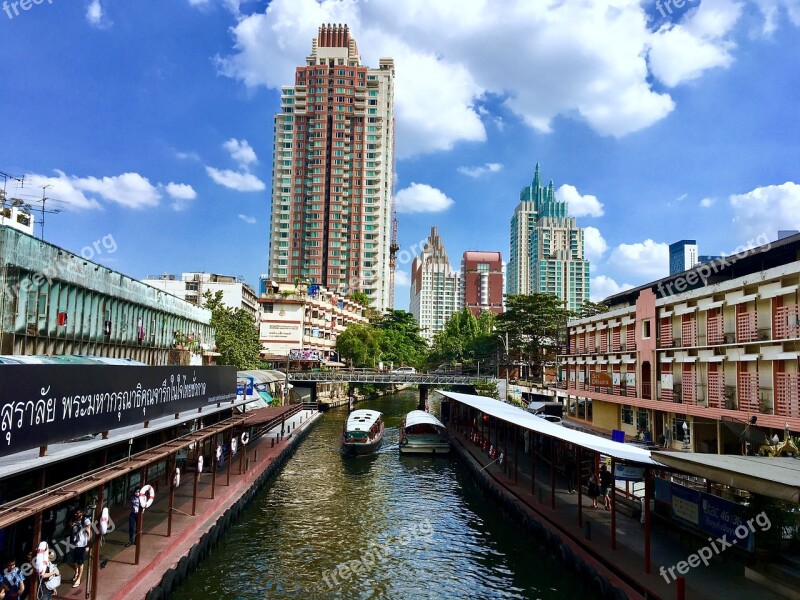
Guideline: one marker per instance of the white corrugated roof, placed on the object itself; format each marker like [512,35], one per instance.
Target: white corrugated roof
[362,419]
[522,418]
[415,417]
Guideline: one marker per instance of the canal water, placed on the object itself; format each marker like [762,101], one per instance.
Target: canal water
[406,527]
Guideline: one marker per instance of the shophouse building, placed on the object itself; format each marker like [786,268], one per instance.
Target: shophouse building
[706,359]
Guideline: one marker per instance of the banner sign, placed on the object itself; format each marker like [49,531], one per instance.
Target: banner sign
[305,355]
[600,378]
[710,513]
[628,473]
[46,404]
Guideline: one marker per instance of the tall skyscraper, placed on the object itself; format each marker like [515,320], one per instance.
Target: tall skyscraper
[482,281]
[435,288]
[333,171]
[546,247]
[682,256]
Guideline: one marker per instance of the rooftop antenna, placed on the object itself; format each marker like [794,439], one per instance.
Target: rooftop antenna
[54,211]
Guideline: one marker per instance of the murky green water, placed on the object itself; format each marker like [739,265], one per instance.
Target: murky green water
[418,527]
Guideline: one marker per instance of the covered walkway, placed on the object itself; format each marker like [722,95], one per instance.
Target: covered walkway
[630,552]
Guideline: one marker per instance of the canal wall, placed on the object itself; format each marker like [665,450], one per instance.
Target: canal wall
[566,553]
[259,476]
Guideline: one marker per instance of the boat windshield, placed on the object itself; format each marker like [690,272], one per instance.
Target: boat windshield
[356,437]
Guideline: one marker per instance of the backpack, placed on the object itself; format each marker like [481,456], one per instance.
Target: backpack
[75,535]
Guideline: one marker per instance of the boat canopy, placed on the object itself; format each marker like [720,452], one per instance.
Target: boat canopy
[362,420]
[524,419]
[418,417]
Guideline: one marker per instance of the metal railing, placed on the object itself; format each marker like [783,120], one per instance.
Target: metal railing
[369,376]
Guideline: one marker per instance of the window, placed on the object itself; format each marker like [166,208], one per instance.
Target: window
[642,420]
[646,329]
[627,414]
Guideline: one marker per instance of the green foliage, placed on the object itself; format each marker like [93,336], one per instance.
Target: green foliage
[488,389]
[359,344]
[360,298]
[590,309]
[465,338]
[236,334]
[535,325]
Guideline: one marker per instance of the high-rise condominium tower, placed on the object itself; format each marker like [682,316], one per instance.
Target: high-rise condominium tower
[333,170]
[546,248]
[435,289]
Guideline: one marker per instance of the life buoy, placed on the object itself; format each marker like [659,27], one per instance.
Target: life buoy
[245,438]
[500,460]
[176,479]
[219,452]
[485,445]
[104,521]
[492,452]
[404,442]
[199,464]
[146,496]
[233,446]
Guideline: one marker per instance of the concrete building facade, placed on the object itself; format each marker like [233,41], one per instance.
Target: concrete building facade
[57,302]
[682,256]
[192,287]
[303,320]
[714,348]
[435,287]
[482,281]
[333,172]
[546,248]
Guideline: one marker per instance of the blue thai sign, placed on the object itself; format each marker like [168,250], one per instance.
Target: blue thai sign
[712,514]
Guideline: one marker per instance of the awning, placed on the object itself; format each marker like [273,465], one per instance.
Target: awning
[774,477]
[524,419]
[710,305]
[683,310]
[779,292]
[742,299]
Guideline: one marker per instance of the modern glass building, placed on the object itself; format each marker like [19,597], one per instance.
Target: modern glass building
[546,250]
[333,172]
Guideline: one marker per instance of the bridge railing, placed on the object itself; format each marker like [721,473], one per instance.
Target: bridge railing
[363,376]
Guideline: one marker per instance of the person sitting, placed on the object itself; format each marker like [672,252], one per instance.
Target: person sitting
[13,580]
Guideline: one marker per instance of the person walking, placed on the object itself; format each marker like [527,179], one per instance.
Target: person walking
[133,517]
[606,483]
[594,489]
[79,554]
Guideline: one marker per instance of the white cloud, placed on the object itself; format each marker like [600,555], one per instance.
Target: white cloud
[681,52]
[585,60]
[182,193]
[603,286]
[765,210]
[771,11]
[480,171]
[682,197]
[96,16]
[244,180]
[129,189]
[248,219]
[420,197]
[402,279]
[707,202]
[241,152]
[235,180]
[579,206]
[646,259]
[594,246]
[187,156]
[61,188]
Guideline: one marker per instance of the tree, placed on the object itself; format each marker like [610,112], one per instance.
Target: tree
[465,338]
[400,339]
[535,325]
[359,343]
[360,298]
[236,334]
[590,309]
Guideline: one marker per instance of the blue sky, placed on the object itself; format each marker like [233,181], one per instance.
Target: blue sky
[152,122]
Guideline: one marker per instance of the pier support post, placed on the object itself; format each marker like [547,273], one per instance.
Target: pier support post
[173,462]
[532,445]
[96,546]
[242,452]
[194,491]
[580,486]
[214,461]
[613,493]
[423,397]
[553,473]
[648,482]
[516,455]
[140,518]
[230,456]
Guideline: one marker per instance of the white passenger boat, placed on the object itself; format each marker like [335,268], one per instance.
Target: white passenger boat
[363,431]
[422,433]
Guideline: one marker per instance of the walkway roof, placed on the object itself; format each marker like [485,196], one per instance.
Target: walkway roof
[775,477]
[526,420]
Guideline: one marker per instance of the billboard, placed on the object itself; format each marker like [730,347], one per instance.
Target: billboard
[46,404]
